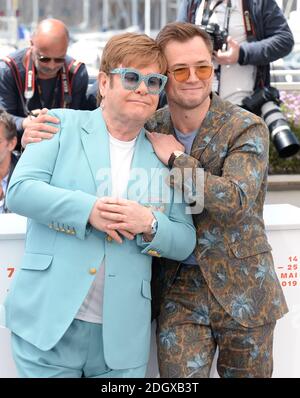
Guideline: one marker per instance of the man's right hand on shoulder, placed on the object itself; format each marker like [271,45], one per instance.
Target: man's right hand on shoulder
[36,128]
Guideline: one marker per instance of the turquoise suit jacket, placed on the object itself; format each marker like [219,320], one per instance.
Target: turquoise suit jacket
[55,185]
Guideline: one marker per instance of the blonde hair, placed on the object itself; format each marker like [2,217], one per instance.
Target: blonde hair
[131,49]
[182,32]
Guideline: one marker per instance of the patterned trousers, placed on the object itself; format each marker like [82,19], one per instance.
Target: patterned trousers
[192,324]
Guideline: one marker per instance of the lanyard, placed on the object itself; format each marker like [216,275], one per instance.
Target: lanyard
[29,77]
[208,10]
[191,12]
[249,28]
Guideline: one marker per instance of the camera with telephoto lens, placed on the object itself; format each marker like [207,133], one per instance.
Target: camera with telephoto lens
[265,102]
[218,36]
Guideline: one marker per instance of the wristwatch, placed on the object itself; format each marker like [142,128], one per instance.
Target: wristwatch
[154,225]
[174,156]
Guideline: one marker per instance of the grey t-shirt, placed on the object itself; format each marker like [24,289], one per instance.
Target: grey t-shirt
[187,140]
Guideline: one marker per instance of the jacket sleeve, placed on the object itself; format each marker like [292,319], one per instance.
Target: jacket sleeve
[79,89]
[182,11]
[31,194]
[9,95]
[175,237]
[231,195]
[91,96]
[276,39]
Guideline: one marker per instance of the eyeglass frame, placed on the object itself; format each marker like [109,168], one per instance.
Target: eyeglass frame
[144,78]
[189,68]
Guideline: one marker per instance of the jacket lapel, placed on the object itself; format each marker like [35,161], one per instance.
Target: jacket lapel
[95,141]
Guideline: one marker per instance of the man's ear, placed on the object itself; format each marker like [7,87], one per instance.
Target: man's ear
[12,144]
[103,80]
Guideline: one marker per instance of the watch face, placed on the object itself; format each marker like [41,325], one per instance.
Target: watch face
[154,226]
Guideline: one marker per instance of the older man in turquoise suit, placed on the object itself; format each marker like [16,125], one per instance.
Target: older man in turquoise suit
[80,305]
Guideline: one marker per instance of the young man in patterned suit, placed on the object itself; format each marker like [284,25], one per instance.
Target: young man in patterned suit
[227,294]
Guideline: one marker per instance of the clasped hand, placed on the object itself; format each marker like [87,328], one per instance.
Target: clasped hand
[120,217]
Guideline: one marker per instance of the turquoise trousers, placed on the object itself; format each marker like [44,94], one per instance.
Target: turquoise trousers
[78,354]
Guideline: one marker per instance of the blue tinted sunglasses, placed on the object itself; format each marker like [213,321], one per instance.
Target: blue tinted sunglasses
[131,79]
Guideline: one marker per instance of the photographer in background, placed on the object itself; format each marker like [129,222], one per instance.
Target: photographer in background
[254,34]
[42,76]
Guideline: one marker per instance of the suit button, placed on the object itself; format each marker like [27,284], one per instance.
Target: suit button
[109,238]
[93,271]
[154,253]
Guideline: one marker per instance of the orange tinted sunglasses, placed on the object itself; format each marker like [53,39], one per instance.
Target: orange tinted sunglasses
[183,73]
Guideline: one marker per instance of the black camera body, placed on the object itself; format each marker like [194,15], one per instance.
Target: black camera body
[265,102]
[218,36]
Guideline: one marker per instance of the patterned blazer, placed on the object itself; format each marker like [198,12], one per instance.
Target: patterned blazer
[232,249]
